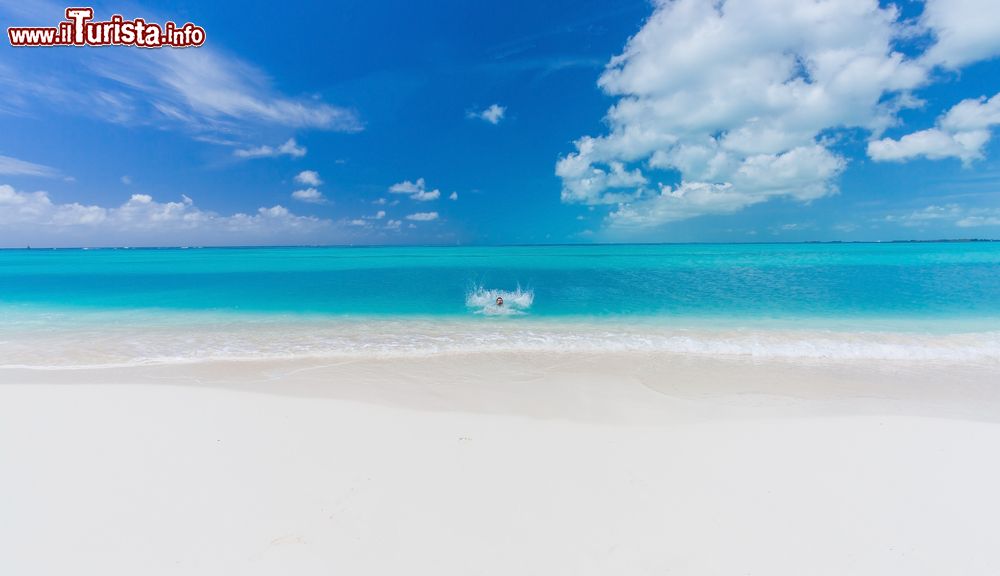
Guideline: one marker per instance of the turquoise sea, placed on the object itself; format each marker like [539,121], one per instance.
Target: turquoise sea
[936,299]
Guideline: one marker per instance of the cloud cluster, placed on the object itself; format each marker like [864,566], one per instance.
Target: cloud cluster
[422,216]
[493,114]
[289,148]
[311,194]
[961,133]
[416,190]
[34,218]
[964,31]
[723,105]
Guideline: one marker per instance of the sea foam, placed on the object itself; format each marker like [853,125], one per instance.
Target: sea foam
[177,342]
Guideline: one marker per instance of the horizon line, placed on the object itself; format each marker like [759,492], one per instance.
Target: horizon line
[498,245]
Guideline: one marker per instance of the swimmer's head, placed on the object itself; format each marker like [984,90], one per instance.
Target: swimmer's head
[499,300]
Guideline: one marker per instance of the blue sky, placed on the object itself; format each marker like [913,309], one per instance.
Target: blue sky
[466,122]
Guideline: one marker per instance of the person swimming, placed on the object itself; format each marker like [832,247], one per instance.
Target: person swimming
[499,300]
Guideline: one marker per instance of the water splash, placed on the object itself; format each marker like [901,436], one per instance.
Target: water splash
[484,301]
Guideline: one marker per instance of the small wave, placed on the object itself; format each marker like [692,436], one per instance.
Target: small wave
[124,345]
[484,301]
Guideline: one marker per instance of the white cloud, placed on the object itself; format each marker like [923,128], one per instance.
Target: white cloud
[426,196]
[416,190]
[407,187]
[33,218]
[929,214]
[493,114]
[965,31]
[422,216]
[393,224]
[948,214]
[14,167]
[453,196]
[289,148]
[932,143]
[960,133]
[218,86]
[308,177]
[206,90]
[802,173]
[310,195]
[366,220]
[126,180]
[723,105]
[976,220]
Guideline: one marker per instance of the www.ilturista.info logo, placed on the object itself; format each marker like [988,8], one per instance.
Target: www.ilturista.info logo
[79,30]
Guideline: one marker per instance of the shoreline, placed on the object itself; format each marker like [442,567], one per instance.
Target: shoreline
[110,345]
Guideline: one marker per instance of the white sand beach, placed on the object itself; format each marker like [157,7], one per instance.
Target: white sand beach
[502,464]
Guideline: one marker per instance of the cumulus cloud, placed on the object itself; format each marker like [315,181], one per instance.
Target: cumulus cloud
[960,133]
[493,114]
[730,98]
[289,148]
[801,173]
[308,177]
[14,167]
[453,196]
[309,195]
[723,105]
[964,31]
[422,216]
[416,190]
[426,196]
[34,218]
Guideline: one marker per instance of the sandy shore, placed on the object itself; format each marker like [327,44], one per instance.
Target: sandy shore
[501,464]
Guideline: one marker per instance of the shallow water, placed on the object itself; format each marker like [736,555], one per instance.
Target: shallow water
[936,301]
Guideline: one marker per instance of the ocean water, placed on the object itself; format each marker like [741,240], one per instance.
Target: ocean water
[899,301]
